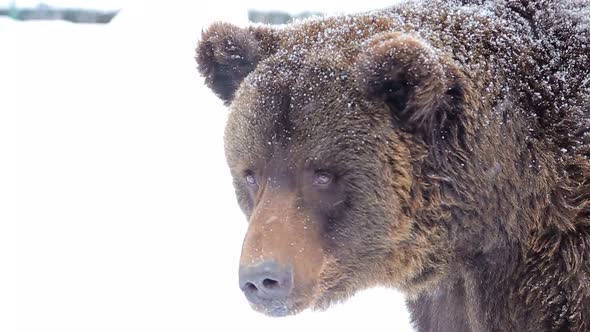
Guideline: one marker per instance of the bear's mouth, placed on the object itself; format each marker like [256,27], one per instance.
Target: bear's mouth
[281,308]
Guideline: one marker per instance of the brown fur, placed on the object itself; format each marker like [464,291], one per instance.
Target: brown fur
[458,135]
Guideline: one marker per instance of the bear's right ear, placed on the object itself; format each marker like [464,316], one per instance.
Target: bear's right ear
[226,54]
[423,90]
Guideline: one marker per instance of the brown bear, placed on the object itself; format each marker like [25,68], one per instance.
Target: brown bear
[438,147]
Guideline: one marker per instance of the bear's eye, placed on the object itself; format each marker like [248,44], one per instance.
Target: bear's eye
[250,178]
[322,178]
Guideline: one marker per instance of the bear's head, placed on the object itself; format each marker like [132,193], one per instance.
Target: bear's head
[329,146]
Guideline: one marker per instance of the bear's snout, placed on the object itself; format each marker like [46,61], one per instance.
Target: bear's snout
[268,284]
[282,255]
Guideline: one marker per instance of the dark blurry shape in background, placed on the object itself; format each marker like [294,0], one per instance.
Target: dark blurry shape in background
[46,12]
[43,11]
[277,17]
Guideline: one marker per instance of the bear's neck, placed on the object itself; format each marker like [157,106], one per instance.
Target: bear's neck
[512,225]
[479,298]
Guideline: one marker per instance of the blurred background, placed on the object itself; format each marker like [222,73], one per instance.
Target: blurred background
[116,208]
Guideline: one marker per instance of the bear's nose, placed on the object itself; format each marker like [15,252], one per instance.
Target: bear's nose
[266,281]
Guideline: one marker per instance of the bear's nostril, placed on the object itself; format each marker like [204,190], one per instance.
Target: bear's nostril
[270,283]
[250,287]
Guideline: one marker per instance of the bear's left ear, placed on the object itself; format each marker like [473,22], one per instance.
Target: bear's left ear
[423,91]
[226,54]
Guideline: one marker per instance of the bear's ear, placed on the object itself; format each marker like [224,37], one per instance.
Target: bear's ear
[423,91]
[226,54]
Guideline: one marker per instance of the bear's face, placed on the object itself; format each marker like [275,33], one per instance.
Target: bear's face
[322,169]
[319,174]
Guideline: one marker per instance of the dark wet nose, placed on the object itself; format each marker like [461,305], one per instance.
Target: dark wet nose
[266,281]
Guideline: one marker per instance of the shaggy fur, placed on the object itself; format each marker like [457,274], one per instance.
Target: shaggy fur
[458,135]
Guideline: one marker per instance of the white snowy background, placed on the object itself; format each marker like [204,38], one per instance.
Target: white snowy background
[116,207]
